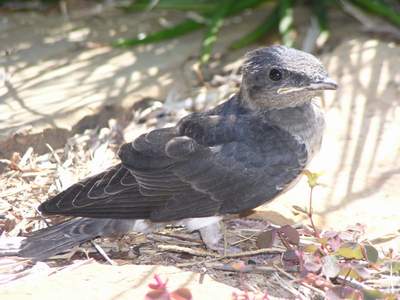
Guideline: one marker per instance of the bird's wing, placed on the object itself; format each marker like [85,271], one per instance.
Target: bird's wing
[248,172]
[164,177]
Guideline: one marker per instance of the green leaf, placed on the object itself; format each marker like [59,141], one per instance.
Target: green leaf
[213,28]
[320,10]
[379,8]
[242,5]
[371,254]
[351,251]
[286,22]
[183,5]
[261,30]
[373,294]
[225,9]
[311,248]
[312,178]
[394,266]
[183,27]
[165,34]
[355,271]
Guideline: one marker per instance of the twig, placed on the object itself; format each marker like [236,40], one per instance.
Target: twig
[187,250]
[318,291]
[352,283]
[14,191]
[284,241]
[248,269]
[288,287]
[194,263]
[179,237]
[229,255]
[103,253]
[244,238]
[25,157]
[310,213]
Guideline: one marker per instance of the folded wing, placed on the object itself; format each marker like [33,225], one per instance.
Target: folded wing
[165,177]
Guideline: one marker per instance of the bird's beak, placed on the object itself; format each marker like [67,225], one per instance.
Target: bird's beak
[318,85]
[324,84]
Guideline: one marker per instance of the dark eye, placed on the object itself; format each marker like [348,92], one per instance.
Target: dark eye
[275,74]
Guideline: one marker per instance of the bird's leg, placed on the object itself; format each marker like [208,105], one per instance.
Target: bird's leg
[212,236]
[211,232]
[209,228]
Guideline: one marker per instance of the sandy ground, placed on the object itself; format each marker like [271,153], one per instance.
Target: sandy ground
[59,71]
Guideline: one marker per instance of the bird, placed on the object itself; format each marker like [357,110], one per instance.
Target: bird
[232,158]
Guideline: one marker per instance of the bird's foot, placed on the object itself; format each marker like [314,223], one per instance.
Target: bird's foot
[214,236]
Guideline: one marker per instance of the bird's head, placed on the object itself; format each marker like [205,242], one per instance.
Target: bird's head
[278,77]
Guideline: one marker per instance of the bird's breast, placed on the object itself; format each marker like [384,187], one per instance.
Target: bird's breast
[306,123]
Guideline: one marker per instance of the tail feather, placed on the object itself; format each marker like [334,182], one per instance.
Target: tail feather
[59,238]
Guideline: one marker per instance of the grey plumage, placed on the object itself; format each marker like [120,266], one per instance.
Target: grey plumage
[235,157]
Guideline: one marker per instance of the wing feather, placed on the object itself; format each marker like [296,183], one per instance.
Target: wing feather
[167,177]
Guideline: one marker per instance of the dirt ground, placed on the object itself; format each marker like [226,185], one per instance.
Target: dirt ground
[61,75]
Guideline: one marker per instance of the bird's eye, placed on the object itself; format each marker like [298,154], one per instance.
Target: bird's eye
[275,74]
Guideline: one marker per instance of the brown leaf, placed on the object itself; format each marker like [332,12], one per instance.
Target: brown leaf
[291,234]
[157,295]
[266,239]
[15,159]
[181,294]
[291,256]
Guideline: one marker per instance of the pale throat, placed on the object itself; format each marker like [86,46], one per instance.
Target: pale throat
[305,121]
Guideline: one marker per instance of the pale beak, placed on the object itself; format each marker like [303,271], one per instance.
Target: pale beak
[318,85]
[324,84]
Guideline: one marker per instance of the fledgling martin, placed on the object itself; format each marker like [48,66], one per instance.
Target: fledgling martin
[235,157]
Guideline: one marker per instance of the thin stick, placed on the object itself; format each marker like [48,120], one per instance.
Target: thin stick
[194,263]
[318,291]
[179,237]
[229,255]
[104,254]
[244,238]
[248,269]
[310,213]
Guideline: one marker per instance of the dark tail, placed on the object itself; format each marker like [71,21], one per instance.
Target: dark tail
[59,238]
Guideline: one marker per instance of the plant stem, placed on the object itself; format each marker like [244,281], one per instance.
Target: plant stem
[310,213]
